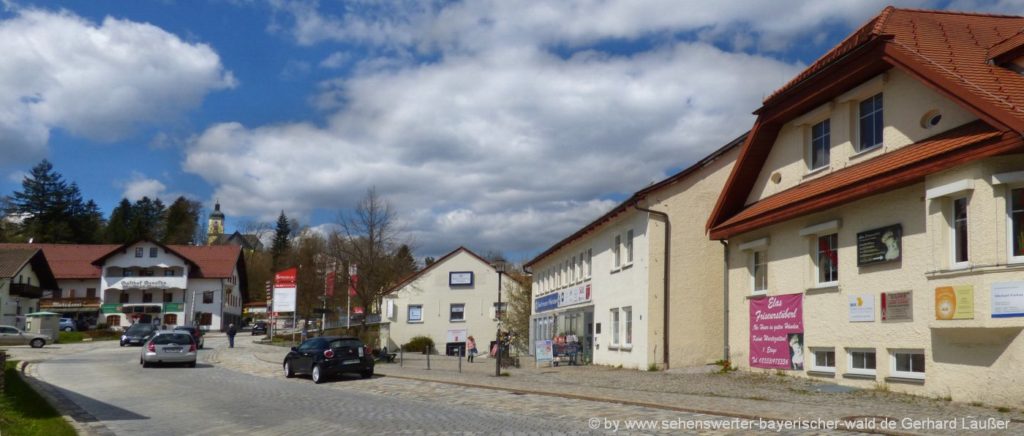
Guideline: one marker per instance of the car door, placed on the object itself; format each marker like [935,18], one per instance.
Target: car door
[8,336]
[307,352]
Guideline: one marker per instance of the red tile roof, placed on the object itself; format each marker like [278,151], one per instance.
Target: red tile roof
[74,261]
[1009,48]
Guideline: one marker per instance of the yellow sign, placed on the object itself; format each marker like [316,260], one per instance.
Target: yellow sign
[954,302]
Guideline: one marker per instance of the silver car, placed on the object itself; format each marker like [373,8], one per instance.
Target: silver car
[12,336]
[169,347]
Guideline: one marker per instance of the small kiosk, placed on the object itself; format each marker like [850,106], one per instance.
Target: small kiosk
[43,323]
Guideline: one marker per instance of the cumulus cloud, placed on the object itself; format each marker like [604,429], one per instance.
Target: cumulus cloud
[140,186]
[97,81]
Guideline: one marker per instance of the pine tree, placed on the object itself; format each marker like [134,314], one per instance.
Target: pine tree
[182,220]
[282,241]
[147,219]
[51,210]
[404,264]
[118,230]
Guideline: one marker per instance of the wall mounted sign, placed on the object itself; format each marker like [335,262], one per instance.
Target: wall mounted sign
[1007,299]
[546,303]
[954,302]
[456,335]
[574,295]
[862,308]
[460,278]
[777,332]
[879,245]
[897,306]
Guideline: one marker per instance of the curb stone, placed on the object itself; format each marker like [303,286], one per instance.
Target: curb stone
[84,423]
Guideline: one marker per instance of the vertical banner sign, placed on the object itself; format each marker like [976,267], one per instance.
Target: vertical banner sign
[353,280]
[954,302]
[777,332]
[329,286]
[284,290]
[897,306]
[1007,299]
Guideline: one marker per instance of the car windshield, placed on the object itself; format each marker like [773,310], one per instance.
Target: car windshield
[190,330]
[346,343]
[140,328]
[177,339]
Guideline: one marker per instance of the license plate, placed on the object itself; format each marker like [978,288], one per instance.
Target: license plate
[350,362]
[173,350]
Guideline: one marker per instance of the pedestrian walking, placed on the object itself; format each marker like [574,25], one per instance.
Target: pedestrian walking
[471,347]
[231,335]
[305,331]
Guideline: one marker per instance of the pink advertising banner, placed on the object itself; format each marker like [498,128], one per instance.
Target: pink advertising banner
[777,332]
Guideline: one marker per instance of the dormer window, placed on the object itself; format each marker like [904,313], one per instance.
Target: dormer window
[871,122]
[821,143]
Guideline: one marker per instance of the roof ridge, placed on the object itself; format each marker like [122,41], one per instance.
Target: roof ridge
[949,12]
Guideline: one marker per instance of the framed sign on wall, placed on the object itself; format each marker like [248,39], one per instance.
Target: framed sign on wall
[880,245]
[460,278]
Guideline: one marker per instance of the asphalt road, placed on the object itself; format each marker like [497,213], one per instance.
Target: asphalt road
[110,385]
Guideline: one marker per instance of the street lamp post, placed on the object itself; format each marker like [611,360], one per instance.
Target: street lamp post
[499,266]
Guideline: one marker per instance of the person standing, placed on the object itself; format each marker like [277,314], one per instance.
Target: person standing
[231,335]
[471,349]
[305,331]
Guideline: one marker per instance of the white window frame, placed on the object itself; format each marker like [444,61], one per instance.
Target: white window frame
[615,327]
[905,374]
[817,261]
[617,252]
[451,310]
[816,366]
[754,255]
[953,263]
[828,145]
[860,117]
[627,337]
[1009,224]
[580,267]
[629,247]
[590,262]
[408,314]
[860,371]
[140,252]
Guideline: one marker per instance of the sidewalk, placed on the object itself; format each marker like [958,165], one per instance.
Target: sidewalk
[736,394]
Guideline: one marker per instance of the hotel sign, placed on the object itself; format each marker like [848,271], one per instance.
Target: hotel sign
[145,282]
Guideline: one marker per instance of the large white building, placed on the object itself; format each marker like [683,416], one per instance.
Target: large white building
[23,275]
[450,299]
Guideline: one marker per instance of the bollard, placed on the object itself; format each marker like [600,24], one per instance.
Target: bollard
[460,360]
[428,356]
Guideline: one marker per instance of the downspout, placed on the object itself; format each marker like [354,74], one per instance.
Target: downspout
[725,300]
[665,277]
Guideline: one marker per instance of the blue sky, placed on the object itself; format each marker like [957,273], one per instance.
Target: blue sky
[499,125]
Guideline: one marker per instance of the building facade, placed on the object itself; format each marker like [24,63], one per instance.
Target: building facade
[605,285]
[874,218]
[24,273]
[447,301]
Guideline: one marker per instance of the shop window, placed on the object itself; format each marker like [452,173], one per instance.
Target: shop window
[617,251]
[152,252]
[206,319]
[147,297]
[615,326]
[627,315]
[90,293]
[907,363]
[123,298]
[139,251]
[828,260]
[821,144]
[759,271]
[1016,212]
[457,313]
[824,359]
[871,122]
[113,320]
[416,313]
[959,236]
[170,319]
[168,297]
[629,247]
[861,361]
[207,297]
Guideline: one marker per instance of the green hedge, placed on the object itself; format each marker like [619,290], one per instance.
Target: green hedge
[419,344]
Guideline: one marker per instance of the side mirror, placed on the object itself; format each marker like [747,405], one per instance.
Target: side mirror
[295,349]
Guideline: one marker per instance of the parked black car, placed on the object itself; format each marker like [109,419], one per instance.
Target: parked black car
[327,356]
[259,328]
[138,334]
[197,335]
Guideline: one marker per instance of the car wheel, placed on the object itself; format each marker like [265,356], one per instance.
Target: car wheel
[288,369]
[192,364]
[367,373]
[37,343]
[146,364]
[316,375]
[122,344]
[68,329]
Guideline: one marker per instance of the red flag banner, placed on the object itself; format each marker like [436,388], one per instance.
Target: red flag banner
[329,290]
[353,279]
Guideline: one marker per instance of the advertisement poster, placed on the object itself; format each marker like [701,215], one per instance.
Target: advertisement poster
[574,295]
[1007,299]
[897,306]
[284,290]
[879,245]
[954,302]
[777,332]
[545,352]
[862,308]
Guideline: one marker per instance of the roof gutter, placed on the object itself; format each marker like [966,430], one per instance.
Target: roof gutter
[665,278]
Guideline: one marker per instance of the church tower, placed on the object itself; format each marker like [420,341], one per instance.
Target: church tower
[215,226]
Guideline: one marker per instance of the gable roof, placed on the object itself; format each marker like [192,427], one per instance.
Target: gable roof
[212,261]
[947,51]
[69,261]
[123,248]
[14,259]
[637,197]
[412,277]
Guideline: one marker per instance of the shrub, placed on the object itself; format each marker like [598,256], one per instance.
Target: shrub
[69,337]
[653,367]
[102,326]
[418,344]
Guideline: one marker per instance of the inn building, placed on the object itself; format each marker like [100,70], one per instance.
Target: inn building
[875,215]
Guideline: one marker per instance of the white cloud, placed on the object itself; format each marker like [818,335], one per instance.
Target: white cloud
[98,81]
[139,186]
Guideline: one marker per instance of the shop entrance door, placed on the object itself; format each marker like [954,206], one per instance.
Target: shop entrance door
[587,340]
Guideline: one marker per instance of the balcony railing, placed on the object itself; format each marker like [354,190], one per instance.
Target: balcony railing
[69,303]
[27,291]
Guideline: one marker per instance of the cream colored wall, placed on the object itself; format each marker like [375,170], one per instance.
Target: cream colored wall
[696,300]
[968,360]
[431,290]
[904,102]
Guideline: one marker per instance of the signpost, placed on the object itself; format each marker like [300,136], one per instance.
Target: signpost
[284,294]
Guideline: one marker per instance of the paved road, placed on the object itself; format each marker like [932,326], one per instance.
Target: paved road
[111,387]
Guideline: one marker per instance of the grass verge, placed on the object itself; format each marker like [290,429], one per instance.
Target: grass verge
[96,335]
[23,412]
